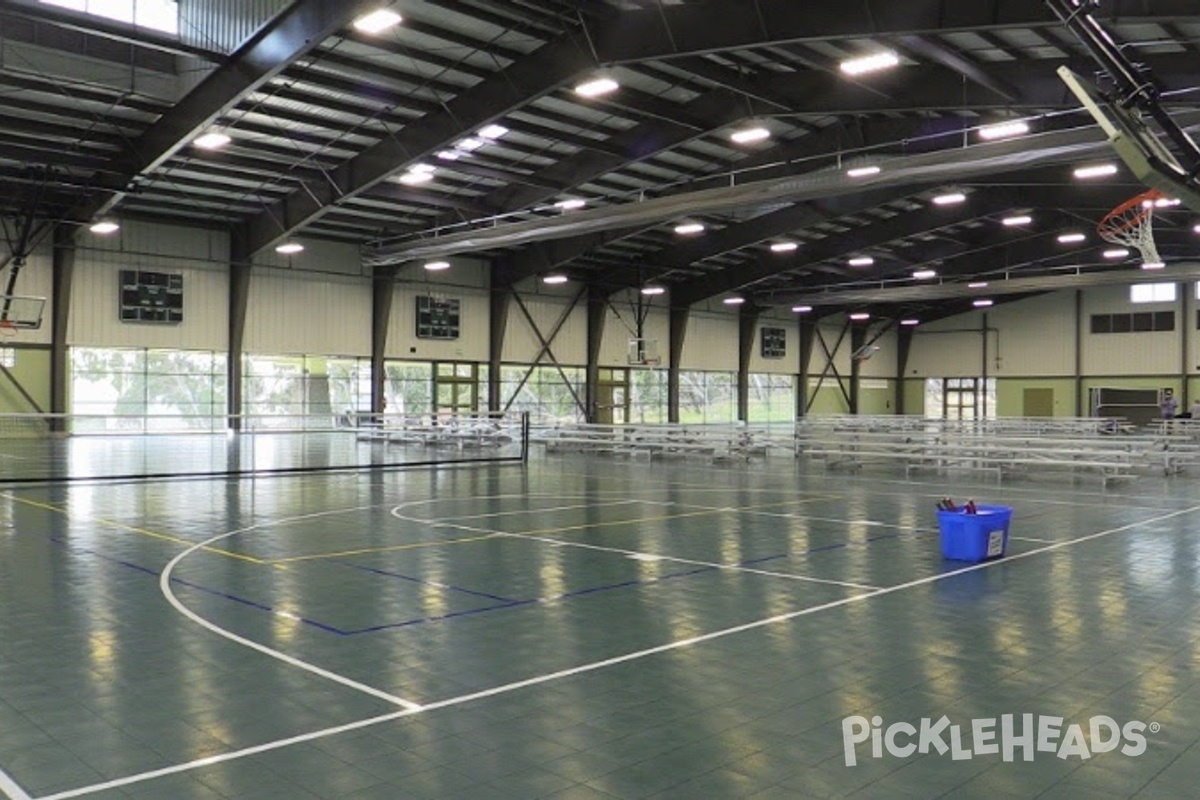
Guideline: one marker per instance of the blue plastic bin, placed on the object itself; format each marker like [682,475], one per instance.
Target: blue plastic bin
[975,537]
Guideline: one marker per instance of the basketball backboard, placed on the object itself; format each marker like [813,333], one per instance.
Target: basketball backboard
[21,312]
[1135,142]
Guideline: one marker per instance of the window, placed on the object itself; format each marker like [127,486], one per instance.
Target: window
[158,15]
[297,392]
[1152,293]
[708,397]
[542,392]
[1140,322]
[772,398]
[141,390]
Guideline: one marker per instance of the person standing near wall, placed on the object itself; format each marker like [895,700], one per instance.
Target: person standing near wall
[1167,404]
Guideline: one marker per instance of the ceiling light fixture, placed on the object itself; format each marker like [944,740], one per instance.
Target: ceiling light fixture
[977,285]
[213,140]
[1196,229]
[1003,130]
[750,135]
[597,87]
[734,301]
[653,291]
[1072,238]
[1116,252]
[469,145]
[925,274]
[787,247]
[1154,265]
[689,228]
[863,172]
[555,279]
[860,316]
[910,322]
[982,303]
[104,227]
[570,204]
[437,266]
[492,132]
[449,155]
[861,261]
[801,309]
[872,63]
[417,174]
[1023,219]
[289,248]
[954,198]
[377,21]
[1096,171]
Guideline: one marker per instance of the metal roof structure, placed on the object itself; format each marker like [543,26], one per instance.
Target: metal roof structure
[328,126]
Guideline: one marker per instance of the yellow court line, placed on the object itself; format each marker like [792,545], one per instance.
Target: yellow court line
[369,550]
[133,529]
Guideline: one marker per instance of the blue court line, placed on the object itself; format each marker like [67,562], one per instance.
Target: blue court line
[403,577]
[216,593]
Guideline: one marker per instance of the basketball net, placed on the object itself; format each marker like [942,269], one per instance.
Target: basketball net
[1132,224]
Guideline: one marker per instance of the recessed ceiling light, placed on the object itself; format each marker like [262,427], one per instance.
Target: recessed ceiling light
[469,145]
[653,291]
[750,135]
[801,309]
[290,248]
[449,155]
[1096,171]
[213,140]
[437,266]
[1154,265]
[977,285]
[1116,252]
[377,21]
[571,204]
[1003,130]
[859,316]
[982,303]
[555,279]
[104,227]
[597,87]
[1023,219]
[872,63]
[925,274]
[910,322]
[949,199]
[734,301]
[1072,238]
[789,247]
[414,177]
[492,132]
[863,172]
[689,228]
[861,261]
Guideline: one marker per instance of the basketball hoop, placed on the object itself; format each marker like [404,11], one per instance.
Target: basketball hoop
[1132,224]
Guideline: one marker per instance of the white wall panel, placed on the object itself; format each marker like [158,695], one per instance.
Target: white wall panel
[711,344]
[883,363]
[949,348]
[1128,353]
[298,313]
[318,256]
[569,346]
[197,254]
[1036,337]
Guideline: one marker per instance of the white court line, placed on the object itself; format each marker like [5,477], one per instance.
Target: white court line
[164,584]
[655,556]
[1031,539]
[11,789]
[583,668]
[523,511]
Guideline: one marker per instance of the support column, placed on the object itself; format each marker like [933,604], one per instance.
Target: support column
[63,269]
[983,389]
[239,297]
[858,339]
[1079,408]
[747,325]
[597,312]
[383,291]
[500,299]
[678,321]
[904,341]
[807,340]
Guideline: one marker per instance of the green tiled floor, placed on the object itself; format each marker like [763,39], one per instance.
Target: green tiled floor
[555,625]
